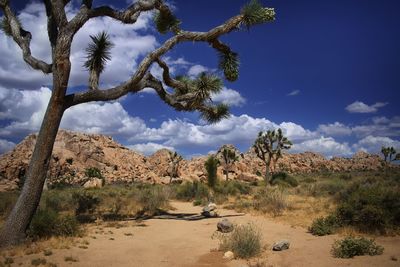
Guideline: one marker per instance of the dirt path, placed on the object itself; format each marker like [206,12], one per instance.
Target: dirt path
[189,243]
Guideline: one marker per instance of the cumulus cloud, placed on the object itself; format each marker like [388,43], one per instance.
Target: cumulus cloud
[334,129]
[373,144]
[6,146]
[229,97]
[21,113]
[130,45]
[324,145]
[293,93]
[196,70]
[360,107]
[149,148]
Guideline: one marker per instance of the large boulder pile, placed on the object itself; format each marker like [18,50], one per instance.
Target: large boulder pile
[75,152]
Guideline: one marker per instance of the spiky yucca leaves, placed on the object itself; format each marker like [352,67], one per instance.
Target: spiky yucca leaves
[98,53]
[166,21]
[229,63]
[207,84]
[214,114]
[254,13]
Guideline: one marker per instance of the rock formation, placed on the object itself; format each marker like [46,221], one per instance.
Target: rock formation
[75,152]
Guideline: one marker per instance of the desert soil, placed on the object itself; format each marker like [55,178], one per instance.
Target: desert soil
[158,242]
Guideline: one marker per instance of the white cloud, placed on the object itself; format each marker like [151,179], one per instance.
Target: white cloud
[22,111]
[229,97]
[334,129]
[130,45]
[324,145]
[196,70]
[373,144]
[149,148]
[293,93]
[5,146]
[360,107]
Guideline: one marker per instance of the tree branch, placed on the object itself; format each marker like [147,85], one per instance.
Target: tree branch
[128,16]
[23,39]
[132,85]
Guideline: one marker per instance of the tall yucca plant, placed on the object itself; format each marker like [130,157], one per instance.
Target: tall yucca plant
[228,159]
[98,53]
[268,147]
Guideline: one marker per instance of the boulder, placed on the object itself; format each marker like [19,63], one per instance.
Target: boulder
[225,226]
[281,245]
[210,210]
[229,255]
[93,183]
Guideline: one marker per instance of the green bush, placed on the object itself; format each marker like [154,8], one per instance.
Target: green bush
[86,202]
[211,166]
[370,207]
[282,178]
[244,241]
[331,186]
[192,190]
[47,223]
[324,226]
[355,246]
[232,188]
[93,172]
[7,201]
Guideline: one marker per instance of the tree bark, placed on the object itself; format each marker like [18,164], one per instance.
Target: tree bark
[14,229]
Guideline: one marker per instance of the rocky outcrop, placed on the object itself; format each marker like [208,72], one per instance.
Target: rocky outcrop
[75,152]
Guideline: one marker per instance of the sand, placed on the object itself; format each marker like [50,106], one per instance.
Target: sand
[188,243]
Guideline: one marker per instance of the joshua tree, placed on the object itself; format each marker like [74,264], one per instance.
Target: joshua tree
[174,160]
[389,153]
[268,147]
[211,166]
[193,95]
[385,152]
[228,158]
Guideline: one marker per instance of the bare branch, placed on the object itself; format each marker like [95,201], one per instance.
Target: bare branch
[128,16]
[23,39]
[132,84]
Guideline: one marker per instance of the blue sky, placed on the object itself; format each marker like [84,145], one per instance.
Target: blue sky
[326,72]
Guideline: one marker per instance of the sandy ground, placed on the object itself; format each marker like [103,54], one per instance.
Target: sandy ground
[189,243]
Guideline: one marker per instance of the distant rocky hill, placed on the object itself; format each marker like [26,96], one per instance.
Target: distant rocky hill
[75,152]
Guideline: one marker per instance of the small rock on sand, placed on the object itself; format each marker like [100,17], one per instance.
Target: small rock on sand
[229,255]
[281,245]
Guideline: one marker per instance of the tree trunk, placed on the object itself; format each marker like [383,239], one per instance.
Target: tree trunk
[14,229]
[226,174]
[18,221]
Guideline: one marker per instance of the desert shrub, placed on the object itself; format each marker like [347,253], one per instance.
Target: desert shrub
[346,176]
[192,190]
[86,202]
[355,246]
[258,173]
[58,200]
[244,241]
[331,186]
[211,166]
[324,226]
[47,223]
[272,200]
[93,172]
[370,207]
[282,178]
[153,199]
[233,188]
[7,201]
